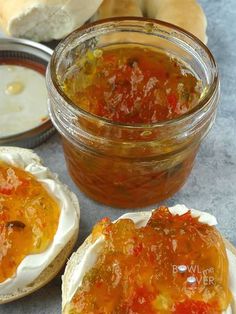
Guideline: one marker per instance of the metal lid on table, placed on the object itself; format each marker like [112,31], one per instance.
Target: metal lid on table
[34,56]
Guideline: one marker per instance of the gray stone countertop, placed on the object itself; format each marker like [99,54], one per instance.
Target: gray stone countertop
[212,183]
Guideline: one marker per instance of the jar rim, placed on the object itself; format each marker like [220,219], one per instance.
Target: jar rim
[86,28]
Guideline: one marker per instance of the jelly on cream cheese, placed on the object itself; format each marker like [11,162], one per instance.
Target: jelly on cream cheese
[33,265]
[140,219]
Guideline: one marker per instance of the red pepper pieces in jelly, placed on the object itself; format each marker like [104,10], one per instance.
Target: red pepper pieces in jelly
[147,270]
[132,85]
[194,307]
[29,218]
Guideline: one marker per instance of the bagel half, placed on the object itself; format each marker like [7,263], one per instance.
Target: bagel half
[76,259]
[45,277]
[58,262]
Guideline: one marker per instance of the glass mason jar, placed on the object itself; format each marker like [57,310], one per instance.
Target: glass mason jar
[131,165]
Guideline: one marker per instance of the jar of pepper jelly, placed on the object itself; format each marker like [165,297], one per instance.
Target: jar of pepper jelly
[114,155]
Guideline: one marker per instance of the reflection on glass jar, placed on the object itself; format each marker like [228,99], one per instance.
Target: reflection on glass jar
[131,165]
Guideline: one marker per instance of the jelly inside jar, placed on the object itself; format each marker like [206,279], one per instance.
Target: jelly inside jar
[174,264]
[29,218]
[130,85]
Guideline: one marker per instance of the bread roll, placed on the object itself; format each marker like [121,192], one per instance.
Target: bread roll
[186,14]
[114,8]
[44,20]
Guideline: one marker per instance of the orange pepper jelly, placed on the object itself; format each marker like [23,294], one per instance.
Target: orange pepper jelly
[121,163]
[174,264]
[29,218]
[132,85]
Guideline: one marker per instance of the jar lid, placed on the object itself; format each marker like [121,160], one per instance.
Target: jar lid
[24,64]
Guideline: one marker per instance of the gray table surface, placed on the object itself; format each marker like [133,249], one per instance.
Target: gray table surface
[212,183]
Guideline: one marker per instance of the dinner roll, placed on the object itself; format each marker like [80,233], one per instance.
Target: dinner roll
[187,14]
[44,20]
